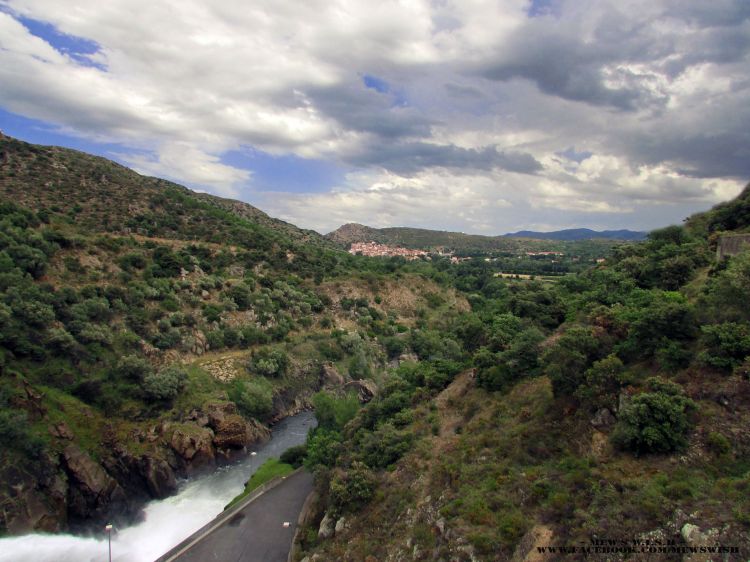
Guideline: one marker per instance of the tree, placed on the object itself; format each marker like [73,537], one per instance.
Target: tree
[254,398]
[656,421]
[164,385]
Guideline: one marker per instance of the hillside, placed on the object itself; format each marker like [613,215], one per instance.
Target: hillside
[101,195]
[148,333]
[609,410]
[419,238]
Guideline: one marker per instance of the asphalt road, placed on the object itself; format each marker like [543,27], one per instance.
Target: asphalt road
[256,533]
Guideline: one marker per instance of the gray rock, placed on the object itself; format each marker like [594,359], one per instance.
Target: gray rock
[341,525]
[327,527]
[692,535]
[603,419]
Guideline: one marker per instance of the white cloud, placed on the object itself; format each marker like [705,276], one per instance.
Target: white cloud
[191,165]
[656,90]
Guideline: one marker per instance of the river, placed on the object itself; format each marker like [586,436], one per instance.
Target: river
[166,522]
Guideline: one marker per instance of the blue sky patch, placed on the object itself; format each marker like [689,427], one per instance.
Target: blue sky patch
[571,154]
[375,83]
[77,48]
[287,173]
[539,8]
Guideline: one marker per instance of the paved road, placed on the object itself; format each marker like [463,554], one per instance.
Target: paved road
[255,533]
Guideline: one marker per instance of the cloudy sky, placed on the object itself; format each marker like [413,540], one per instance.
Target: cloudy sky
[472,115]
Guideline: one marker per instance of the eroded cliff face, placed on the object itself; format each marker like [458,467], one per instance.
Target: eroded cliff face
[74,490]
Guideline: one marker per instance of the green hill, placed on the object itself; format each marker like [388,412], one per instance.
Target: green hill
[132,310]
[148,333]
[474,244]
[608,410]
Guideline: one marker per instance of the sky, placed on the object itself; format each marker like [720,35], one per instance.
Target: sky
[476,116]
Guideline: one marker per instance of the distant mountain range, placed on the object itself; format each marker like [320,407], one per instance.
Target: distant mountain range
[580,234]
[431,239]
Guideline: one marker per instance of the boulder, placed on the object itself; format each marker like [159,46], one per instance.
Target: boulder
[341,525]
[217,411]
[329,376]
[61,431]
[603,419]
[527,549]
[366,389]
[92,492]
[195,446]
[33,499]
[199,343]
[159,476]
[692,535]
[327,527]
[232,432]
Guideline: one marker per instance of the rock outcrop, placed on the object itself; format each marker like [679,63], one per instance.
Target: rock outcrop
[330,377]
[92,493]
[33,498]
[366,389]
[194,445]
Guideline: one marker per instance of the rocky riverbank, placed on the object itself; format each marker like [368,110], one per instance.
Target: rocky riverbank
[75,491]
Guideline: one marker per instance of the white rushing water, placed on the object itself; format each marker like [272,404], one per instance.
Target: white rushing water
[167,522]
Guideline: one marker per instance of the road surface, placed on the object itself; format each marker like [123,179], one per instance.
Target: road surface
[255,532]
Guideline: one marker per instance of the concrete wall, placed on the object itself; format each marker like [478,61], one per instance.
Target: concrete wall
[731,245]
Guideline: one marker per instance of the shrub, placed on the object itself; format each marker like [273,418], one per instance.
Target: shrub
[654,422]
[602,383]
[353,488]
[269,362]
[385,445]
[323,448]
[164,385]
[332,412]
[294,456]
[254,398]
[726,344]
[359,366]
[132,368]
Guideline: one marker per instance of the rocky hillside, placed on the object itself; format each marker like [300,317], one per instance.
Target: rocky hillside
[148,333]
[103,196]
[609,409]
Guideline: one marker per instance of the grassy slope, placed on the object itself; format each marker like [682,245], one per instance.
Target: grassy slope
[272,468]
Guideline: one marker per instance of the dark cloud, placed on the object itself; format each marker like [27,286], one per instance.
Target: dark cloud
[703,155]
[411,157]
[561,64]
[359,108]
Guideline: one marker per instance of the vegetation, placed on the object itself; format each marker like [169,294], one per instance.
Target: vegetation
[272,468]
[461,407]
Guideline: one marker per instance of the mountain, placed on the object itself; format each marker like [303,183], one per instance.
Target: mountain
[580,234]
[580,242]
[102,195]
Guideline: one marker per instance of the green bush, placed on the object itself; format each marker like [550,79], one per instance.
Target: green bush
[323,448]
[385,445]
[269,362]
[132,368]
[333,412]
[654,422]
[166,384]
[294,456]
[253,397]
[353,488]
[726,344]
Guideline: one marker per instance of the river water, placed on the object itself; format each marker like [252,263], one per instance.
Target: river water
[167,522]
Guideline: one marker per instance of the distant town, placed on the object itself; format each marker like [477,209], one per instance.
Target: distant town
[373,249]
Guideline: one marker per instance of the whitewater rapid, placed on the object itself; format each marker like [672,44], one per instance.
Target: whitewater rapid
[167,522]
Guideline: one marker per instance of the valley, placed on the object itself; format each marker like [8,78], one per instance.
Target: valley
[542,393]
